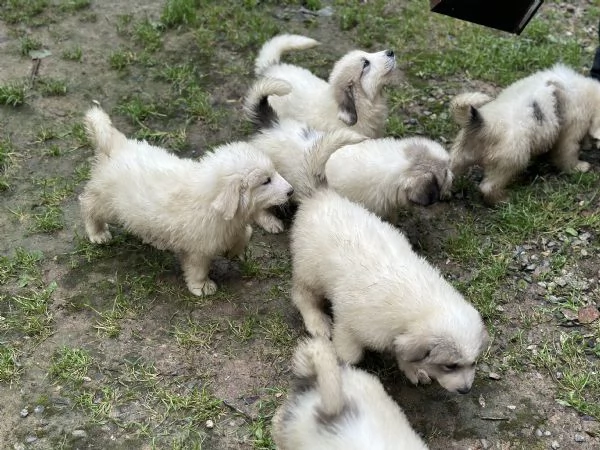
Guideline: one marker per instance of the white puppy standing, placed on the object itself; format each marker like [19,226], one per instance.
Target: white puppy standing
[352,97]
[383,295]
[197,209]
[339,407]
[386,174]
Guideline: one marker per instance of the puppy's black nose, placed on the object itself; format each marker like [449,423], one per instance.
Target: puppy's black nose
[290,193]
[389,53]
[464,390]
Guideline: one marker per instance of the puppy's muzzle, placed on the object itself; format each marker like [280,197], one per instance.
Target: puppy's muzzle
[464,390]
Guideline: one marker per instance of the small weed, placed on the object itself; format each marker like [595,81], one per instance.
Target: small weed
[19,11]
[193,334]
[23,266]
[6,153]
[12,94]
[29,43]
[137,110]
[54,151]
[149,35]
[73,54]
[244,330]
[45,134]
[74,5]
[51,87]
[10,368]
[30,313]
[179,12]
[278,332]
[197,405]
[78,133]
[121,59]
[70,364]
[49,220]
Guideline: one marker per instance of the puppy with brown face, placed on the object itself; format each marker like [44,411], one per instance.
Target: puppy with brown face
[383,295]
[197,209]
[550,111]
[338,407]
[352,97]
[386,174]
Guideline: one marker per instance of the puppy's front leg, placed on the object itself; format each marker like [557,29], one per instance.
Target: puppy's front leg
[347,347]
[317,323]
[239,246]
[268,222]
[195,269]
[95,227]
[415,374]
[565,156]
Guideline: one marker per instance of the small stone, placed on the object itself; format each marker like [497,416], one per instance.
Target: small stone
[579,438]
[588,314]
[584,252]
[24,412]
[494,376]
[539,433]
[86,379]
[232,423]
[511,407]
[39,409]
[485,444]
[19,446]
[547,433]
[209,424]
[78,434]
[31,439]
[558,375]
[561,281]
[278,394]
[555,445]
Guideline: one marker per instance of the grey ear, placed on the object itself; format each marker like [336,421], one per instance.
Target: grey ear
[475,117]
[412,348]
[347,105]
[228,200]
[425,190]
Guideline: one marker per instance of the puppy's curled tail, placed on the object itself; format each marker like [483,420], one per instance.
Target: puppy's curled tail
[315,361]
[256,103]
[271,51]
[463,106]
[102,133]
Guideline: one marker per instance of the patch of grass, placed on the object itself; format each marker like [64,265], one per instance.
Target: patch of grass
[23,266]
[277,331]
[179,12]
[179,76]
[193,334]
[7,153]
[74,53]
[29,43]
[173,140]
[21,11]
[50,219]
[70,364]
[30,314]
[12,94]
[138,109]
[122,58]
[149,35]
[10,368]
[197,405]
[243,330]
[45,134]
[74,5]
[78,133]
[52,87]
[53,151]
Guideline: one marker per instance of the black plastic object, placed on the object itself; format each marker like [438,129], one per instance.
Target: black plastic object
[505,15]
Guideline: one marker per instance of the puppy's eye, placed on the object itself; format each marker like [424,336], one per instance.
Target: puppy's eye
[450,367]
[366,63]
[267,181]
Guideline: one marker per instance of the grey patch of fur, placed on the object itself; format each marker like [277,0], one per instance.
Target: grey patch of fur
[537,112]
[348,106]
[330,424]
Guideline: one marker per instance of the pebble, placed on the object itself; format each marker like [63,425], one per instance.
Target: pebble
[19,446]
[511,407]
[38,409]
[494,376]
[555,445]
[78,434]
[539,433]
[547,433]
[31,439]
[209,424]
[485,443]
[579,438]
[24,412]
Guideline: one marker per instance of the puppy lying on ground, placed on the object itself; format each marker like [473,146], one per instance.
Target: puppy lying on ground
[549,111]
[387,174]
[338,407]
[197,209]
[353,96]
[298,151]
[383,295]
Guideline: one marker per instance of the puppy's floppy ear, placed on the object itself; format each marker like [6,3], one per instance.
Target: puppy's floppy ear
[346,104]
[228,200]
[412,348]
[424,190]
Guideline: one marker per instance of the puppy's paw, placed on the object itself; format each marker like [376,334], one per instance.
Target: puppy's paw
[208,287]
[271,224]
[319,325]
[423,377]
[100,238]
[581,166]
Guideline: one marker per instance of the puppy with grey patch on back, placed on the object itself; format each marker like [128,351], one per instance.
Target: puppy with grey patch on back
[383,295]
[386,174]
[338,407]
[550,111]
[197,209]
[353,96]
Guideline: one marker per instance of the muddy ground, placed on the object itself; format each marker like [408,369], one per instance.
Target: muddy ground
[154,367]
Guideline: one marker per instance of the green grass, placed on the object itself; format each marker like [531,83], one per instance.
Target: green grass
[74,53]
[30,313]
[74,5]
[23,267]
[51,87]
[10,367]
[29,43]
[149,35]
[197,335]
[179,12]
[121,59]
[13,94]
[70,364]
[15,11]
[138,109]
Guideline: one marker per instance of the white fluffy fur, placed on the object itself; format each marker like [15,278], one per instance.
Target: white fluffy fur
[384,296]
[352,97]
[549,111]
[197,209]
[343,408]
[386,174]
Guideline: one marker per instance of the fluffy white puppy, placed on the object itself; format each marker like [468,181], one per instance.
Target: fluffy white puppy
[197,209]
[338,407]
[298,151]
[549,111]
[383,295]
[352,97]
[386,174]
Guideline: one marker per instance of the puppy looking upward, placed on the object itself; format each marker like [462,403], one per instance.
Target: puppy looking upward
[384,296]
[197,209]
[352,97]
[338,407]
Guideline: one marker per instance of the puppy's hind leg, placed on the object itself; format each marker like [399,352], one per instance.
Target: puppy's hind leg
[565,155]
[268,222]
[238,248]
[347,346]
[95,227]
[195,269]
[309,304]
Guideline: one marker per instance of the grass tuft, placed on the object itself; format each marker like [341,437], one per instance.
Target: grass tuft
[12,94]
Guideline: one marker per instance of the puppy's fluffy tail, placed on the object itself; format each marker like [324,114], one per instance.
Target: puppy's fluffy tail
[317,156]
[271,51]
[315,361]
[462,106]
[256,103]
[102,133]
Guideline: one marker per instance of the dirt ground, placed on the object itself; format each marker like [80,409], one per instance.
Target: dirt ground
[166,369]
